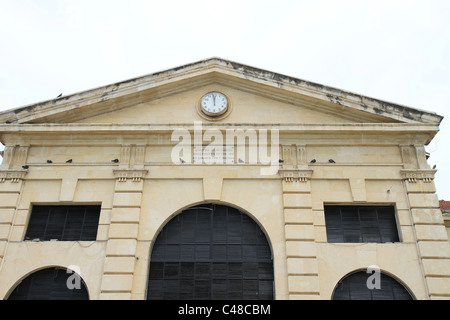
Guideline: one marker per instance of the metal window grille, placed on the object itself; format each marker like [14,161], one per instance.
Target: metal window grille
[361,224]
[48,284]
[211,252]
[354,287]
[64,223]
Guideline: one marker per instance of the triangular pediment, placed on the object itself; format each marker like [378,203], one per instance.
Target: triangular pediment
[256,96]
[246,107]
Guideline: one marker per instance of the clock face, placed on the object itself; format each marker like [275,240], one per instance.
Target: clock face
[214,103]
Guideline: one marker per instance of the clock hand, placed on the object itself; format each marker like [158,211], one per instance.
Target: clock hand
[214,99]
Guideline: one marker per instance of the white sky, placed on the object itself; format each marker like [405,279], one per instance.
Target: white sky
[394,50]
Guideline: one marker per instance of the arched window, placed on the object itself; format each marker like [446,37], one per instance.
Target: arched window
[211,252]
[355,287]
[51,284]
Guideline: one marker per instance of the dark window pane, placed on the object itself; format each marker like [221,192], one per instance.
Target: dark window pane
[64,223]
[49,284]
[361,224]
[354,287]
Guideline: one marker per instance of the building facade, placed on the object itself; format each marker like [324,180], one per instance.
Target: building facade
[217,180]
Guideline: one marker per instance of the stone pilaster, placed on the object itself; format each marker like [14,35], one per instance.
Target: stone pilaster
[430,232]
[302,265]
[10,187]
[117,280]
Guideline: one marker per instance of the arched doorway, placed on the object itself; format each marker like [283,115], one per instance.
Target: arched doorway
[354,287]
[50,284]
[211,252]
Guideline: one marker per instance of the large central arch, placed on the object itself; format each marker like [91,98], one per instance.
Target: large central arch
[211,252]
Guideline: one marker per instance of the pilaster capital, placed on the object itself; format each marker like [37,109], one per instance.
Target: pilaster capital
[413,175]
[14,175]
[133,174]
[296,175]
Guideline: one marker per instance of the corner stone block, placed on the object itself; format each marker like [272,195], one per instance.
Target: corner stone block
[119,265]
[304,297]
[427,216]
[4,231]
[123,230]
[127,199]
[302,266]
[306,284]
[434,249]
[6,215]
[121,247]
[298,216]
[300,232]
[423,200]
[115,296]
[431,232]
[125,215]
[301,249]
[8,200]
[297,200]
[117,282]
[436,267]
[439,286]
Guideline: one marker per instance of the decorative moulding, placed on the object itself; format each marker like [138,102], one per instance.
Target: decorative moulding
[134,175]
[14,175]
[412,175]
[296,175]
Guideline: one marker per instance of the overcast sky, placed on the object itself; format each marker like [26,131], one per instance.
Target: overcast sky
[394,50]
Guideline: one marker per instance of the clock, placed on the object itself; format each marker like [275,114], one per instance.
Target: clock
[214,104]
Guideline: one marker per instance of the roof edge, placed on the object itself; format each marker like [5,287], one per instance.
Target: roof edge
[334,95]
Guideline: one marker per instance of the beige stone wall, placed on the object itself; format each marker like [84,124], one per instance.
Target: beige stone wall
[290,211]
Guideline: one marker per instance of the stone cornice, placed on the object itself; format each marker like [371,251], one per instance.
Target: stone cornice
[14,175]
[413,175]
[288,127]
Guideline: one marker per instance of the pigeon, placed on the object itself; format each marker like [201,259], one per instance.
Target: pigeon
[25,167]
[69,161]
[331,161]
[60,95]
[49,161]
[313,161]
[115,160]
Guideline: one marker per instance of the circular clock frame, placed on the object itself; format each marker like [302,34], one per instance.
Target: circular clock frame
[211,116]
